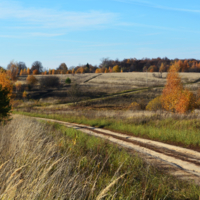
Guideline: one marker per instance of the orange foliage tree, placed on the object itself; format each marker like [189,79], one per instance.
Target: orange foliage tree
[5,82]
[174,97]
[28,71]
[35,72]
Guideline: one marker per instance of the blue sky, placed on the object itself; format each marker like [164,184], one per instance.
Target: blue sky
[81,31]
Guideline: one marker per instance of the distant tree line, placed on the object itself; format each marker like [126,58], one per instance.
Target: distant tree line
[15,69]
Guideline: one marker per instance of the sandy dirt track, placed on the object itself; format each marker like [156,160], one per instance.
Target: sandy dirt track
[177,161]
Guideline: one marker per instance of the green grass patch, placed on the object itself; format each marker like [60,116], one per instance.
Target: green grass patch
[183,132]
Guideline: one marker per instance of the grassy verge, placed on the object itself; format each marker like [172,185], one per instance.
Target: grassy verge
[55,162]
[174,131]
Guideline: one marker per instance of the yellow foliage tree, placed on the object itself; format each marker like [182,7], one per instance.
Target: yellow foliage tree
[116,68]
[174,97]
[28,71]
[5,82]
[21,72]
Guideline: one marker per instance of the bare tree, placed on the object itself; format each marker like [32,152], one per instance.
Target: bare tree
[12,70]
[21,66]
[37,65]
[63,67]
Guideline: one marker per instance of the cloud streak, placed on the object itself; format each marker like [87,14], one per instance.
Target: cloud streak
[52,18]
[149,4]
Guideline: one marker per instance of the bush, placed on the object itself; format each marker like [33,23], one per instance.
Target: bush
[134,106]
[31,80]
[49,81]
[68,81]
[154,104]
[75,93]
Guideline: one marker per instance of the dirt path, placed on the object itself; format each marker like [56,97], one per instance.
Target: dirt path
[180,162]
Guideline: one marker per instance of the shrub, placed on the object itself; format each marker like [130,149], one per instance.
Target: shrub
[68,81]
[49,81]
[134,106]
[75,93]
[24,95]
[31,80]
[18,87]
[154,104]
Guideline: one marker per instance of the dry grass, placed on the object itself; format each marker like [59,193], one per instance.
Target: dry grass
[47,161]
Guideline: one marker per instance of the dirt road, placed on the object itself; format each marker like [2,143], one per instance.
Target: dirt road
[177,161]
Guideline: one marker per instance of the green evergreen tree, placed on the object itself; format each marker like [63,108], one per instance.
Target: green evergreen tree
[5,106]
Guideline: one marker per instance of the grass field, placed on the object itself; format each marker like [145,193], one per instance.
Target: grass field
[49,161]
[172,130]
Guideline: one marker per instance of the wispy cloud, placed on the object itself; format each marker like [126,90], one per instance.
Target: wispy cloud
[26,17]
[149,4]
[129,24]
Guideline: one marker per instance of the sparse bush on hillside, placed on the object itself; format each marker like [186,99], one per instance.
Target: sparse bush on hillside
[134,106]
[154,104]
[31,80]
[75,93]
[68,81]
[49,81]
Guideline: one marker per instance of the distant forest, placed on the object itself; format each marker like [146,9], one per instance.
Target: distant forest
[107,66]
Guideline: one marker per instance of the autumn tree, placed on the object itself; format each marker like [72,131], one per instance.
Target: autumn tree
[5,82]
[28,71]
[161,69]
[12,70]
[174,97]
[35,71]
[116,68]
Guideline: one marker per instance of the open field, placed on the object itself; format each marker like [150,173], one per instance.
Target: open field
[50,161]
[109,83]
